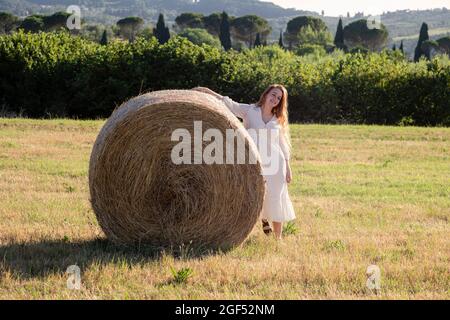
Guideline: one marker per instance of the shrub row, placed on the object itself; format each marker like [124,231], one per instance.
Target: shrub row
[59,74]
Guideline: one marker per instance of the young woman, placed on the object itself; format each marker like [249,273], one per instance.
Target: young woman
[270,113]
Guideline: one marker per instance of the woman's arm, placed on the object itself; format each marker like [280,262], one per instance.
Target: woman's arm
[288,172]
[284,145]
[240,110]
[287,155]
[209,91]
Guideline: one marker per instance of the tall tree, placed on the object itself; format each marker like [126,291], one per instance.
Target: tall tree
[394,47]
[295,25]
[197,21]
[444,44]
[307,35]
[33,24]
[189,20]
[246,28]
[104,40]
[280,40]
[419,52]
[339,37]
[8,22]
[161,32]
[401,47]
[357,34]
[129,27]
[56,21]
[200,36]
[212,23]
[224,34]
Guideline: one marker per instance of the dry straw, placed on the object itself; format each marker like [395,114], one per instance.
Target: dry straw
[140,196]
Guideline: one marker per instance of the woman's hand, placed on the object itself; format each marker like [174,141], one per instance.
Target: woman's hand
[288,172]
[207,90]
[202,89]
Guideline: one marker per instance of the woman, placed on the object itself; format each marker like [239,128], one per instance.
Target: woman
[270,113]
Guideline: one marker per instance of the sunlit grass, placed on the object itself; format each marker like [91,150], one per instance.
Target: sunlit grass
[363,195]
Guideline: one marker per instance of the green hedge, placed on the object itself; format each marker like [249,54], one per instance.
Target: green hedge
[62,75]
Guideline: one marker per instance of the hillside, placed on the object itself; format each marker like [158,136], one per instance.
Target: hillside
[404,24]
[149,9]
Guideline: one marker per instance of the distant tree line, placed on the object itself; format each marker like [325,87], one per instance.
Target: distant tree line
[33,23]
[303,34]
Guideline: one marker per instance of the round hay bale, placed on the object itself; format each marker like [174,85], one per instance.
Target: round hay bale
[139,195]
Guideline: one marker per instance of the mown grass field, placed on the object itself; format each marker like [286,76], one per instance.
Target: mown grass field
[363,195]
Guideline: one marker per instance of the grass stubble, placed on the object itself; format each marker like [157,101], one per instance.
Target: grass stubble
[363,195]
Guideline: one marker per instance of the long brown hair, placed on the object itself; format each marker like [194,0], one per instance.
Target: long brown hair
[280,111]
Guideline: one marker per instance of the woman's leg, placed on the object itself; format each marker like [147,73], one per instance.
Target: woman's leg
[277,229]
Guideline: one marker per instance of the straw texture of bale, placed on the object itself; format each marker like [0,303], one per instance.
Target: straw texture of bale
[140,196]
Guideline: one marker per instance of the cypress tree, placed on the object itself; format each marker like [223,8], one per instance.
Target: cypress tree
[161,32]
[394,47]
[280,41]
[339,38]
[401,47]
[104,40]
[224,34]
[166,34]
[422,37]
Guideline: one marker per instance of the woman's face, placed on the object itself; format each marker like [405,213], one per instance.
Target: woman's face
[274,97]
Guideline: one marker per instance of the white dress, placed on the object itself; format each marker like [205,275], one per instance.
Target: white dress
[277,203]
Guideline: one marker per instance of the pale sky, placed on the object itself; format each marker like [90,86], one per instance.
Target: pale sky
[341,7]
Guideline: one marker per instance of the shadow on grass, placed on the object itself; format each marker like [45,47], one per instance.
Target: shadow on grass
[43,258]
